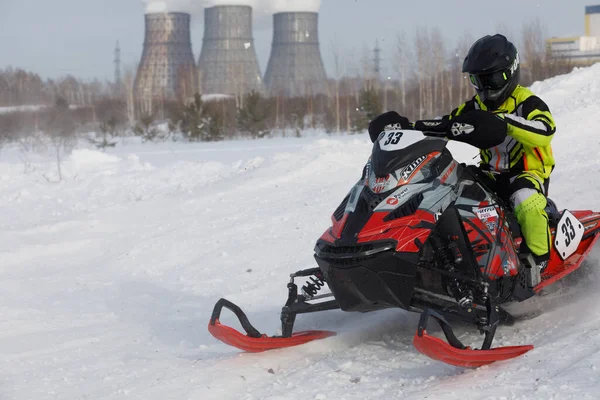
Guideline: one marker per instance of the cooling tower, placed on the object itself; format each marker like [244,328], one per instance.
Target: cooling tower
[167,68]
[295,66]
[228,62]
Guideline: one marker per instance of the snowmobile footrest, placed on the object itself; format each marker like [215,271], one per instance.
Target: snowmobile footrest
[254,341]
[453,352]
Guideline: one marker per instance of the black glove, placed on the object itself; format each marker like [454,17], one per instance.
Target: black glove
[478,128]
[390,118]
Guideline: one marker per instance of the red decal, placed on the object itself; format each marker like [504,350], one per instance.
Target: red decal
[447,174]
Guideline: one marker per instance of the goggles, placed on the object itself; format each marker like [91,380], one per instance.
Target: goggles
[492,81]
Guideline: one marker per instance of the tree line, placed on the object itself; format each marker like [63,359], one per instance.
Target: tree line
[425,81]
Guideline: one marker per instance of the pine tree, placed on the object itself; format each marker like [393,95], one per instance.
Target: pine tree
[197,124]
[369,107]
[252,118]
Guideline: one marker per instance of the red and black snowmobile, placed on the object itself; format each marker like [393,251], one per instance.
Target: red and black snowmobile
[421,232]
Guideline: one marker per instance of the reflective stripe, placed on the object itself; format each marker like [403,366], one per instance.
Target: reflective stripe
[532,126]
[521,196]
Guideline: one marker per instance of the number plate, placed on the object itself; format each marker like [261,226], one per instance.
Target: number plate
[569,233]
[390,140]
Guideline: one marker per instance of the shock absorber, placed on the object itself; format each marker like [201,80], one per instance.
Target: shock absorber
[312,286]
[460,291]
[462,294]
[441,254]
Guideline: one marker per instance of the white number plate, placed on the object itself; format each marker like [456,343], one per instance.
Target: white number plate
[391,140]
[569,233]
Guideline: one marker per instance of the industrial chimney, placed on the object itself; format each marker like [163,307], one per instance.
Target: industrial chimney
[295,67]
[167,69]
[228,62]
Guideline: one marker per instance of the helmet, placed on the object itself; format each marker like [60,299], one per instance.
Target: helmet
[493,67]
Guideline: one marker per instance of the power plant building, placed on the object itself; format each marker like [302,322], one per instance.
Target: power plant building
[295,66]
[228,62]
[167,69]
[580,49]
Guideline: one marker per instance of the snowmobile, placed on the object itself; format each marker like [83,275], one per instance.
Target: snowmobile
[423,233]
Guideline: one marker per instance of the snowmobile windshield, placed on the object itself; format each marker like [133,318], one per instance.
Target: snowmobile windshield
[397,154]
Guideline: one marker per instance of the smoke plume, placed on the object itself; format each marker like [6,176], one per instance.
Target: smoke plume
[160,6]
[260,7]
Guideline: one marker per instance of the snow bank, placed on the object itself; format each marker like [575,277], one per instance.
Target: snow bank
[109,276]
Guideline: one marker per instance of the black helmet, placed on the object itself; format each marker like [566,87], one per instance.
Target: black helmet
[493,68]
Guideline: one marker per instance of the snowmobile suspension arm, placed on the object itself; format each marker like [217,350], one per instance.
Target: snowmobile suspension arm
[296,304]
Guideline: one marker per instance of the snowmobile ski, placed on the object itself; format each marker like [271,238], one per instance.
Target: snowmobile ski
[454,352]
[254,341]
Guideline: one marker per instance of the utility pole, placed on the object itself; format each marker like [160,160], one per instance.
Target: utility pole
[377,71]
[118,68]
[377,61]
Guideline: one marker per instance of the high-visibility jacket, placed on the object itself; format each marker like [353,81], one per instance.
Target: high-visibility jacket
[530,130]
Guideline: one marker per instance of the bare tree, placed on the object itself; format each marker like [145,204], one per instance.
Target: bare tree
[402,64]
[61,131]
[465,90]
[533,51]
[340,66]
[422,44]
[438,66]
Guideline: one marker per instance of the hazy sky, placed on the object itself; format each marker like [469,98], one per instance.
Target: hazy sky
[56,37]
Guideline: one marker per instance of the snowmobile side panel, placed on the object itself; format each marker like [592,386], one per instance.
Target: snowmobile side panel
[557,269]
[440,350]
[250,344]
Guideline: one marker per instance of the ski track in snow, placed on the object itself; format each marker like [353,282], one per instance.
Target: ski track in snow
[109,277]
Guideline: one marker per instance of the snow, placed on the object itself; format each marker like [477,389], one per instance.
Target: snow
[217,96]
[29,108]
[8,110]
[109,277]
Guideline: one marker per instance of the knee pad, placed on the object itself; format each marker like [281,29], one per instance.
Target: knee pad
[527,201]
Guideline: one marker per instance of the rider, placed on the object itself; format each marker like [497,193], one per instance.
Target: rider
[512,128]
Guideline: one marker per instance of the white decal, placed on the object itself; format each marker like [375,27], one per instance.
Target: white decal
[390,140]
[486,213]
[408,171]
[395,199]
[569,233]
[382,184]
[461,129]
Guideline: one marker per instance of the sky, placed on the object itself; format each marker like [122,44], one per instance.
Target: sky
[59,37]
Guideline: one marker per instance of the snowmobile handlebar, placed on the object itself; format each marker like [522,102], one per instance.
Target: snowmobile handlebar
[440,135]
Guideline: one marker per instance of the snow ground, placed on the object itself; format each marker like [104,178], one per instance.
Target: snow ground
[108,278]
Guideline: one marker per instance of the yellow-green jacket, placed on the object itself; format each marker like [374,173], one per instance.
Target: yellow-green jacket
[530,130]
